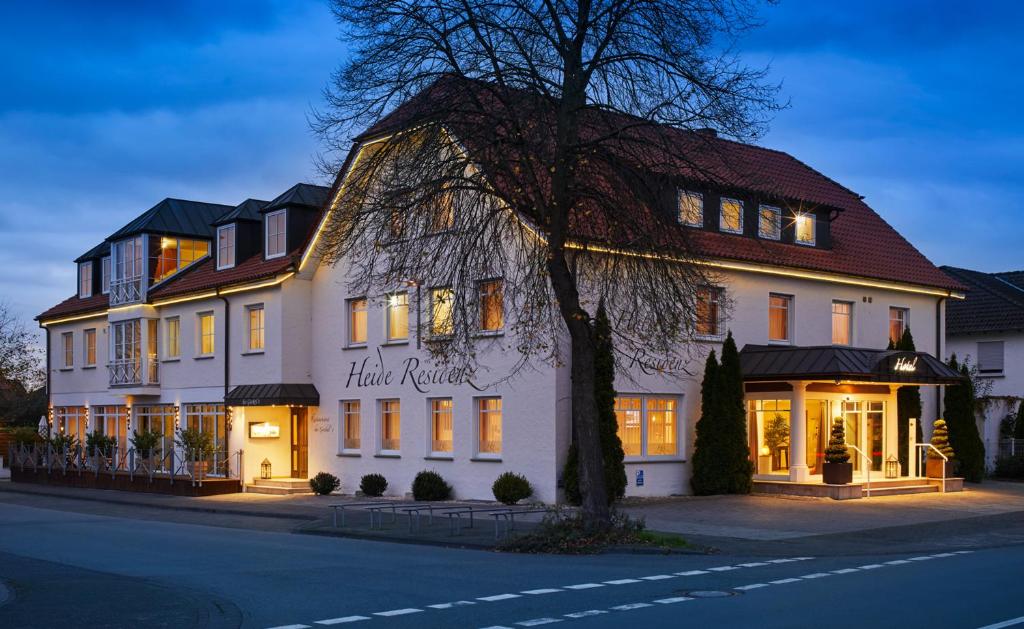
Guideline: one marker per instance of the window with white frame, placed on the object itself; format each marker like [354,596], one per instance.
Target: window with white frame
[173,337]
[842,322]
[72,421]
[492,305]
[350,424]
[990,358]
[731,216]
[489,426]
[805,228]
[67,340]
[442,323]
[225,246]
[897,323]
[357,321]
[204,334]
[85,280]
[648,425]
[174,254]
[89,347]
[709,311]
[105,275]
[390,425]
[691,208]
[779,318]
[441,426]
[276,234]
[112,421]
[255,322]
[398,317]
[769,225]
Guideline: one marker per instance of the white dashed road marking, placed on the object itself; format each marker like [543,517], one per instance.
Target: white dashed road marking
[536,622]
[723,568]
[782,581]
[622,581]
[674,599]
[629,606]
[291,627]
[658,577]
[584,586]
[691,573]
[752,586]
[589,612]
[450,605]
[541,591]
[497,597]
[398,612]
[816,575]
[1006,623]
[754,564]
[844,571]
[870,566]
[341,621]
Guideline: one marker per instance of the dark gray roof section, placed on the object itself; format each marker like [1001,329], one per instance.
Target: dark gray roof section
[248,210]
[772,363]
[994,302]
[302,195]
[175,217]
[101,250]
[269,394]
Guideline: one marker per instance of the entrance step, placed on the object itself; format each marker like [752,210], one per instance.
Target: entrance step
[280,486]
[900,490]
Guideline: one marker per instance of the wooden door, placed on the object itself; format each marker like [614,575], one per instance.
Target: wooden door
[300,443]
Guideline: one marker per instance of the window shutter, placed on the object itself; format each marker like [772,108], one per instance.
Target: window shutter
[990,357]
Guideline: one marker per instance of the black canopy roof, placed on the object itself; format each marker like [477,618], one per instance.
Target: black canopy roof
[775,363]
[271,394]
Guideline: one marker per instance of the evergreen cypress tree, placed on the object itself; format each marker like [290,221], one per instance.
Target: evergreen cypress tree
[908,404]
[1018,424]
[962,425]
[706,479]
[740,469]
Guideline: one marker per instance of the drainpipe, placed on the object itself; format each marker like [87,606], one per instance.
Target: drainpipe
[48,376]
[938,354]
[227,347]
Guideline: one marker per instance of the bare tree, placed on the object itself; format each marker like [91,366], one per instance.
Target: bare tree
[543,143]
[21,370]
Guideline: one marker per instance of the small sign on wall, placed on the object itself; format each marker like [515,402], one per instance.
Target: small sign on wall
[264,430]
[639,478]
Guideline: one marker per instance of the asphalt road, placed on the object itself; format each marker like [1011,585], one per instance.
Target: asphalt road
[65,568]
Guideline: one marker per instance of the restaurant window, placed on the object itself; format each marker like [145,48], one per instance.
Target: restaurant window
[709,311]
[112,421]
[442,322]
[398,317]
[158,418]
[225,247]
[105,275]
[350,418]
[85,280]
[897,323]
[68,346]
[768,425]
[489,428]
[390,425]
[357,321]
[990,358]
[731,219]
[628,415]
[212,420]
[691,208]
[647,425]
[89,347]
[779,318]
[276,234]
[492,306]
[205,329]
[842,322]
[72,421]
[661,426]
[441,426]
[256,327]
[173,337]
[769,223]
[805,225]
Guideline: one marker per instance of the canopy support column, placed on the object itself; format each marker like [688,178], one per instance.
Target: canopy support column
[798,472]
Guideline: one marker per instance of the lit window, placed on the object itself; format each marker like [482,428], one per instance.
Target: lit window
[661,426]
[105,272]
[897,323]
[778,318]
[89,347]
[256,336]
[85,280]
[770,223]
[805,228]
[709,311]
[443,218]
[731,216]
[175,254]
[990,358]
[441,425]
[691,208]
[842,319]
[276,234]
[205,326]
[390,425]
[226,247]
[768,431]
[398,317]
[442,322]
[492,306]
[490,425]
[627,414]
[173,337]
[350,411]
[68,345]
[357,321]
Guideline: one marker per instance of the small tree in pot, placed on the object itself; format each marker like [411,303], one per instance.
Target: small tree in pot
[146,443]
[837,469]
[936,467]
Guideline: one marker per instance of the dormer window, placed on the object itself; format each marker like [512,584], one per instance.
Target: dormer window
[731,219]
[174,254]
[105,272]
[276,231]
[691,208]
[85,280]
[225,247]
[805,227]
[769,223]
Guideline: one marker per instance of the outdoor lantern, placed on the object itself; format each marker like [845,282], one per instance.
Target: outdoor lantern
[265,469]
[892,467]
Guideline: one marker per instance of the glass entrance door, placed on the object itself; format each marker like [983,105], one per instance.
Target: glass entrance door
[851,423]
[865,428]
[874,417]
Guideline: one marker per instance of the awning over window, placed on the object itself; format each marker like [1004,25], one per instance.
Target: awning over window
[271,394]
[768,363]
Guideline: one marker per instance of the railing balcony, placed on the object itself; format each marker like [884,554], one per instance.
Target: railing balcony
[130,372]
[125,291]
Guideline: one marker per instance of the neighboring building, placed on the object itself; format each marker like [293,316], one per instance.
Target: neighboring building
[988,329]
[223,318]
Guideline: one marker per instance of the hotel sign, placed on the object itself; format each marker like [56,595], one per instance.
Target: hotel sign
[906,365]
[264,430]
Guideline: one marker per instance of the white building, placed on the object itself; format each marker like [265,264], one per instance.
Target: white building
[206,315]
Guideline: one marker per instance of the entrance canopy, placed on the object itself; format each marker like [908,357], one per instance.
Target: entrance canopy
[273,394]
[771,363]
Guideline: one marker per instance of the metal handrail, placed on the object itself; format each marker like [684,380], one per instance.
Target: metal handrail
[867,467]
[944,458]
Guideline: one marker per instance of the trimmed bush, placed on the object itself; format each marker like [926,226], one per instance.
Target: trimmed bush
[837,452]
[510,488]
[324,484]
[940,439]
[373,485]
[429,486]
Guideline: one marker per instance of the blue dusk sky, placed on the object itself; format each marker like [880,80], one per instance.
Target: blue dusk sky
[111,106]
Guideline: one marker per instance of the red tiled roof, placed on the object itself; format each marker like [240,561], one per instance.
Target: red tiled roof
[205,276]
[73,306]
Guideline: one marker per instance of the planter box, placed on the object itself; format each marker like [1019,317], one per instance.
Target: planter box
[837,473]
[933,468]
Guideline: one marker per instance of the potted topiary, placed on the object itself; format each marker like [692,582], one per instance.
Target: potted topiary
[837,469]
[146,444]
[935,466]
[197,446]
[99,445]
